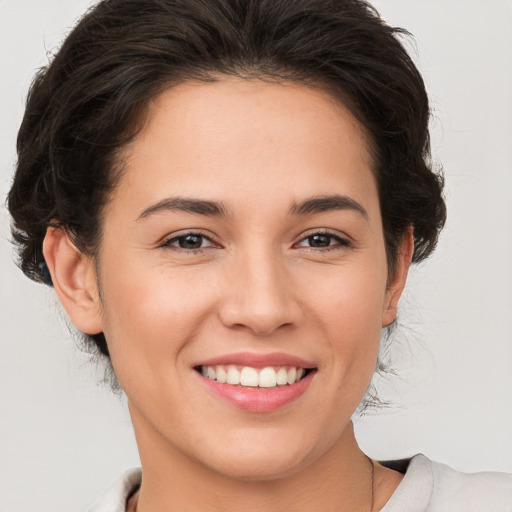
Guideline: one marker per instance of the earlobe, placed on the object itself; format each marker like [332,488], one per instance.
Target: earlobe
[397,283]
[74,279]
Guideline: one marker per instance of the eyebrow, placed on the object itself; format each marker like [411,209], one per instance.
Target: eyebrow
[321,204]
[310,206]
[198,206]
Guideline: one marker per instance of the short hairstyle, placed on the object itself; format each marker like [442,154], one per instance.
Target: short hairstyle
[92,98]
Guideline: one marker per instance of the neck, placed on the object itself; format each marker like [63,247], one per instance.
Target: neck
[341,479]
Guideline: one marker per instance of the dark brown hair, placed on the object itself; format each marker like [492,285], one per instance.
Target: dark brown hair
[91,99]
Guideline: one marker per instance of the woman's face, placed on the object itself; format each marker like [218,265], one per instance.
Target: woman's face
[245,233]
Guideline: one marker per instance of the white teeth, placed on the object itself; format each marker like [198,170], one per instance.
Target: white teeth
[292,375]
[282,377]
[268,377]
[221,374]
[233,376]
[249,377]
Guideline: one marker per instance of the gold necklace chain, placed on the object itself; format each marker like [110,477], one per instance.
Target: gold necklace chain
[372,464]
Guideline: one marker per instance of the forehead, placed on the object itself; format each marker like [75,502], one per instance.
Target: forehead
[246,140]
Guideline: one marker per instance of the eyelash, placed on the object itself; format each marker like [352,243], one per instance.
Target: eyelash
[341,243]
[167,243]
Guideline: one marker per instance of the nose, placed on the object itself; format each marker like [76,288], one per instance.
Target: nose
[260,296]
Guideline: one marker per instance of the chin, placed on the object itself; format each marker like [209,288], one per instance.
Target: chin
[261,469]
[260,462]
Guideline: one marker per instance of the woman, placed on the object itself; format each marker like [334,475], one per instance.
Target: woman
[226,197]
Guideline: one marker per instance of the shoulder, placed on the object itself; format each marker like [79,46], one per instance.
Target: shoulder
[115,496]
[470,491]
[429,486]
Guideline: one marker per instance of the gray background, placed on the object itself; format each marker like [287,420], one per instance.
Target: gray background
[63,435]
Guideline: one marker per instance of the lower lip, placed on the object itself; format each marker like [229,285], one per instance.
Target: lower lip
[258,399]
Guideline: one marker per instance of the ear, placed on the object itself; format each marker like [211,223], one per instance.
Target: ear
[74,279]
[396,285]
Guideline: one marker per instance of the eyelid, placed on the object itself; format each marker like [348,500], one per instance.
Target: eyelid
[343,240]
[166,241]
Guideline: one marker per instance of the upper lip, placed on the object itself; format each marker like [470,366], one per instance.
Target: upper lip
[258,360]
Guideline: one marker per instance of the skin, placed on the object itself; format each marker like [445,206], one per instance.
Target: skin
[255,285]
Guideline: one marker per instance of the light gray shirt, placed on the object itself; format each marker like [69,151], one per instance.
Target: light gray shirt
[426,487]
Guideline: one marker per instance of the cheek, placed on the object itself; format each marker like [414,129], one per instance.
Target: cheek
[350,297]
[349,310]
[150,313]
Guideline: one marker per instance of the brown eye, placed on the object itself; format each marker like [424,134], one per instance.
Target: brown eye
[189,241]
[323,241]
[319,240]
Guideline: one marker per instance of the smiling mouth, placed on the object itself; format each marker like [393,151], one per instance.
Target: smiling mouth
[251,377]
